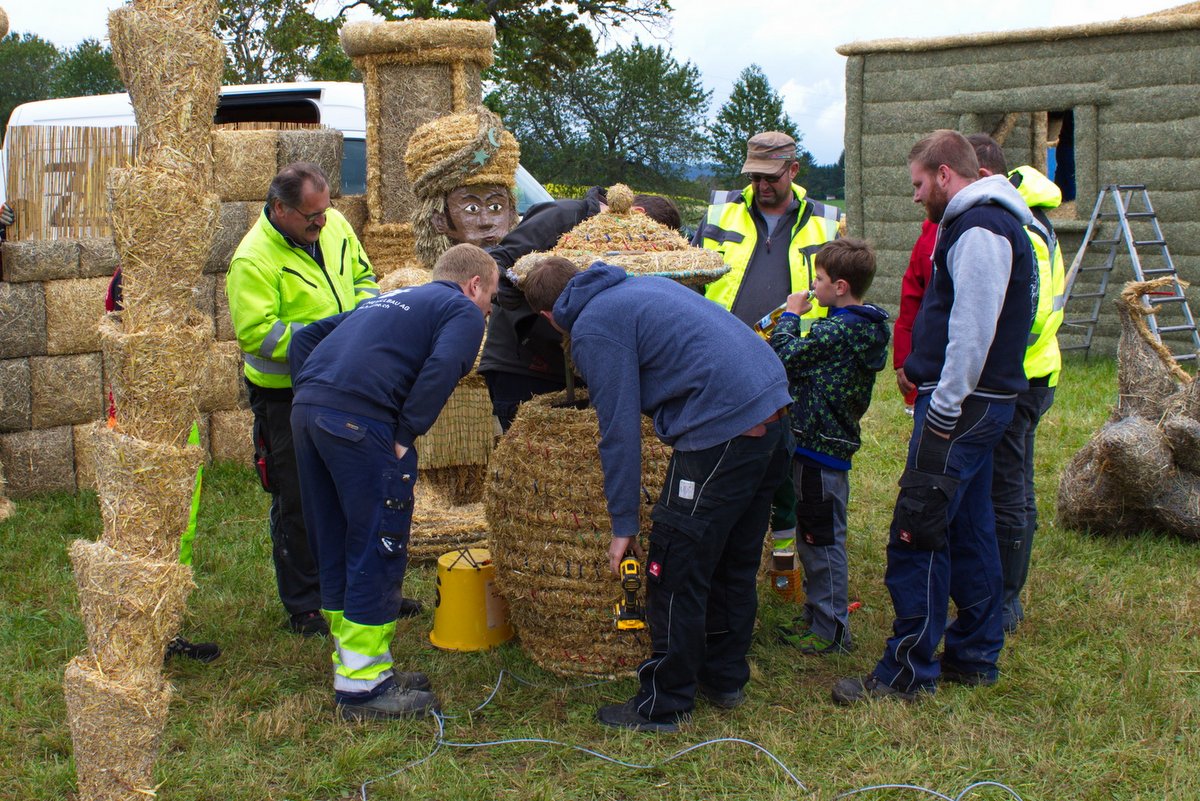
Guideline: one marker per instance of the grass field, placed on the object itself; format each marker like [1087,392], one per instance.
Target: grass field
[1099,697]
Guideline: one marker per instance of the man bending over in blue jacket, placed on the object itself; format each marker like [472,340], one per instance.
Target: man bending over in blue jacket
[718,395]
[367,384]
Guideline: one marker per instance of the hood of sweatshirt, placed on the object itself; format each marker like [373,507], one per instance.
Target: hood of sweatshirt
[581,289]
[993,189]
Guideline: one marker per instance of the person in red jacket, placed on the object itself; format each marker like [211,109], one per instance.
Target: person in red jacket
[912,289]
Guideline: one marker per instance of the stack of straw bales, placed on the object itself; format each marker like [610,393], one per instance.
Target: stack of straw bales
[6,507]
[132,588]
[1141,471]
[550,533]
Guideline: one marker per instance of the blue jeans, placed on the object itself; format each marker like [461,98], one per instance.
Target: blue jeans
[965,568]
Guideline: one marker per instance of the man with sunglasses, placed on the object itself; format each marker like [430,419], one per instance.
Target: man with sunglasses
[299,263]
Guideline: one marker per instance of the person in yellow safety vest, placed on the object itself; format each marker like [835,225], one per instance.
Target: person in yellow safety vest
[1012,473]
[768,234]
[300,262]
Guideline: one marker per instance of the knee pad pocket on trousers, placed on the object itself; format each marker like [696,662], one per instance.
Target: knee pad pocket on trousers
[814,522]
[673,540]
[921,519]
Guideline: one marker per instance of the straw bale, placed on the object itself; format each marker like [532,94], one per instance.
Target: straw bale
[163,225]
[16,397]
[83,443]
[321,146]
[116,729]
[230,435]
[174,91]
[73,308]
[66,389]
[244,163]
[462,436]
[204,296]
[97,257]
[199,15]
[1183,435]
[354,209]
[40,260]
[440,526]
[145,491]
[405,276]
[22,320]
[1177,508]
[156,374]
[222,385]
[131,606]
[549,535]
[221,317]
[41,460]
[1137,456]
[236,219]
[428,39]
[391,247]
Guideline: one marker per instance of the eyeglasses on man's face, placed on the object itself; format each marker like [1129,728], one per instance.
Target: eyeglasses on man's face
[311,218]
[759,177]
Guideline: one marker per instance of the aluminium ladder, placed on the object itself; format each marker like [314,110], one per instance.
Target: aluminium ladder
[1136,228]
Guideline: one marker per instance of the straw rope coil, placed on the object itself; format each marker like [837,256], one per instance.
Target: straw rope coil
[549,534]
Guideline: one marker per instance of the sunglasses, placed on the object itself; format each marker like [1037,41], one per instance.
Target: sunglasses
[758,177]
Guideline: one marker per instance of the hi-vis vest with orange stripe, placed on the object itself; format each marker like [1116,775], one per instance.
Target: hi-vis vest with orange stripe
[729,229]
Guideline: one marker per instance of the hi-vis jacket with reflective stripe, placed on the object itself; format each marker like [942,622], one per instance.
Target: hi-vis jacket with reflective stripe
[1042,356]
[275,289]
[729,229]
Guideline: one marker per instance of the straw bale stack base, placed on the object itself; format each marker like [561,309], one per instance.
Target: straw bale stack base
[1139,471]
[231,435]
[72,309]
[65,389]
[131,607]
[549,534]
[116,729]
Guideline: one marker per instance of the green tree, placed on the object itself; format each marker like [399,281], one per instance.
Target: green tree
[634,114]
[753,106]
[280,40]
[87,69]
[25,62]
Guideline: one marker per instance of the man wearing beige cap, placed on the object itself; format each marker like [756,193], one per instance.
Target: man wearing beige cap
[768,234]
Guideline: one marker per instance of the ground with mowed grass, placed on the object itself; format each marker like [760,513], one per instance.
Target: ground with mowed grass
[1099,697]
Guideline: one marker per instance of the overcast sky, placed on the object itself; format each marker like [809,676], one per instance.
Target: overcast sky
[792,41]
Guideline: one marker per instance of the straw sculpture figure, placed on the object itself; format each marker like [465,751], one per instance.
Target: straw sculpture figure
[1141,470]
[549,534]
[131,587]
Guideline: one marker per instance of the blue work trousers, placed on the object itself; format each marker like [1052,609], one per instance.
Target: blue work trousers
[965,568]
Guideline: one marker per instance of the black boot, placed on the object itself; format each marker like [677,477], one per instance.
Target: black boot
[1016,547]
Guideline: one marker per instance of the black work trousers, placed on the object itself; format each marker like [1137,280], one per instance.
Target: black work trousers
[295,566]
[705,549]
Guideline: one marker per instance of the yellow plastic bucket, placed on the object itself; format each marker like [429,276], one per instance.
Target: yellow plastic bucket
[470,615]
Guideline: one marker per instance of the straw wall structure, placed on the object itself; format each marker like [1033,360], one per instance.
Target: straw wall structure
[1130,85]
[549,537]
[413,71]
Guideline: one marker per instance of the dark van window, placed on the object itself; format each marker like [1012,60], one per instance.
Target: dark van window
[354,166]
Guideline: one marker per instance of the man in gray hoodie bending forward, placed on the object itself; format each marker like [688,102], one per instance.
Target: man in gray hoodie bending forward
[718,396]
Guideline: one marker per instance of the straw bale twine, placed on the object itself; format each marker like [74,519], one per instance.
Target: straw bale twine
[244,163]
[22,320]
[229,435]
[405,276]
[162,223]
[116,729]
[440,526]
[40,260]
[222,384]
[155,374]
[72,308]
[97,257]
[354,209]
[421,41]
[390,246]
[16,398]
[41,460]
[145,491]
[84,446]
[236,218]
[131,606]
[173,73]
[321,146]
[549,536]
[66,389]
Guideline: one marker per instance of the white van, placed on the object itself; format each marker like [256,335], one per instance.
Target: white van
[335,104]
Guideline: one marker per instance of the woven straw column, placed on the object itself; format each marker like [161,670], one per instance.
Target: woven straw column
[413,71]
[132,589]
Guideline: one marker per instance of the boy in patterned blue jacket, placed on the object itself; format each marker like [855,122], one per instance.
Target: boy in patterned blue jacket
[831,373]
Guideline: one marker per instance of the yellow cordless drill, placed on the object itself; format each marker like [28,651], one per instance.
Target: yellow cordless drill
[627,612]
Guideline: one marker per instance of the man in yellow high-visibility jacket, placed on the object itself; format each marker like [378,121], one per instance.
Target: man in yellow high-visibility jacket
[300,262]
[768,234]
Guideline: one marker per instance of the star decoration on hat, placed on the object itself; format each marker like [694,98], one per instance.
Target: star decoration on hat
[480,157]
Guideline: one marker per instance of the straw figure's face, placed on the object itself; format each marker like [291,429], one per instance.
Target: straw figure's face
[478,215]
[304,221]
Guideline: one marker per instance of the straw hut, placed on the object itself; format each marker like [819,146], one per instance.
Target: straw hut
[1120,97]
